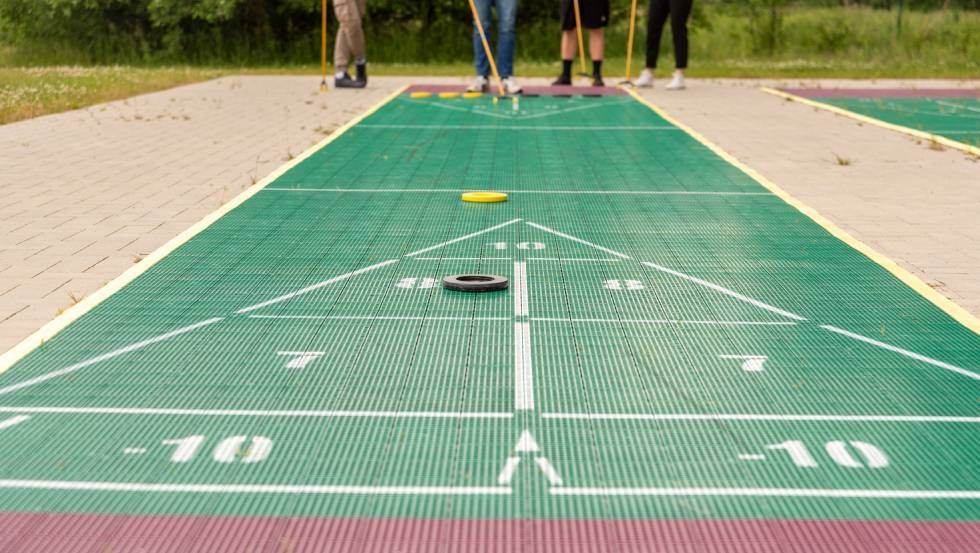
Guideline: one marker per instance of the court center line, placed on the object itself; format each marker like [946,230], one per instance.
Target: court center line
[758,417]
[768,492]
[900,351]
[461,238]
[251,488]
[523,127]
[316,286]
[313,414]
[562,192]
[105,356]
[374,318]
[520,289]
[664,322]
[523,384]
[679,274]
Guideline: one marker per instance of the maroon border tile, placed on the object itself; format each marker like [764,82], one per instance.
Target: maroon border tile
[66,532]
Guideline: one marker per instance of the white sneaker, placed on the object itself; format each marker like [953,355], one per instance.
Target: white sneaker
[645,80]
[677,83]
[511,86]
[479,84]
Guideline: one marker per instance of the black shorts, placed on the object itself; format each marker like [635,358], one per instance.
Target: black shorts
[595,14]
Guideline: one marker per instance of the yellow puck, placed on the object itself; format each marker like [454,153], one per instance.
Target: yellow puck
[449,94]
[420,94]
[471,95]
[484,197]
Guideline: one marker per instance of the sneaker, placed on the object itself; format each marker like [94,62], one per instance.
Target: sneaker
[345,81]
[511,86]
[562,80]
[677,83]
[645,80]
[479,84]
[361,73]
[597,80]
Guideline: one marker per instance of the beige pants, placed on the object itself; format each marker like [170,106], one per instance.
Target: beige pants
[350,35]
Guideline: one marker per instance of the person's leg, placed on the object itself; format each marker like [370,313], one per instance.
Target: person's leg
[506,36]
[680,11]
[350,43]
[656,17]
[568,47]
[360,57]
[480,61]
[342,47]
[597,46]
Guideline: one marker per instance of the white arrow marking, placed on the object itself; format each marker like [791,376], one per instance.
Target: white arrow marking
[548,471]
[508,472]
[300,359]
[526,443]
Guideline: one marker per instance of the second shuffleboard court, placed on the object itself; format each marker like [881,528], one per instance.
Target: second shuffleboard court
[677,342]
[953,114]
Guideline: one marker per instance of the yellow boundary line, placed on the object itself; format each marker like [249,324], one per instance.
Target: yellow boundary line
[72,314]
[961,315]
[876,122]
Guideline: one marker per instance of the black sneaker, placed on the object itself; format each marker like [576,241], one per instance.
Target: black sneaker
[347,82]
[362,73]
[597,80]
[563,80]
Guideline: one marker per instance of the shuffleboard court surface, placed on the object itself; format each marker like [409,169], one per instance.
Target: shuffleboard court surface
[682,362]
[950,113]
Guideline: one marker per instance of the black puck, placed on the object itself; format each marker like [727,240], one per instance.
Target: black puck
[475,283]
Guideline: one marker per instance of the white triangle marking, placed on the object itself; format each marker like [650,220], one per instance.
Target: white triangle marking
[526,443]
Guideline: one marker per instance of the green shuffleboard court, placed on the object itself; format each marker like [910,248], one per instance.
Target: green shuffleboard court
[677,342]
[949,113]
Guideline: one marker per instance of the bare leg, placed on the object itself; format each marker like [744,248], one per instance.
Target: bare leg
[597,44]
[568,45]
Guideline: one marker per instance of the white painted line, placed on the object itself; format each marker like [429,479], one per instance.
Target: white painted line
[250,488]
[254,413]
[579,240]
[664,322]
[374,318]
[520,289]
[562,192]
[523,384]
[757,417]
[508,471]
[110,355]
[524,127]
[957,106]
[134,450]
[526,443]
[569,110]
[725,291]
[13,421]
[549,471]
[462,258]
[316,286]
[461,238]
[769,492]
[751,457]
[905,352]
[572,260]
[661,268]
[53,327]
[463,110]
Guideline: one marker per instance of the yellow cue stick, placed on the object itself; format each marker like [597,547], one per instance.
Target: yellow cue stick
[486,48]
[323,44]
[629,43]
[578,29]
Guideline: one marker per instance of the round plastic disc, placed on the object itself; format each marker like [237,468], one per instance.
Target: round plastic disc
[420,94]
[475,283]
[449,94]
[484,197]
[471,95]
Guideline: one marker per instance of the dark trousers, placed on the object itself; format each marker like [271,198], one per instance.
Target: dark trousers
[678,11]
